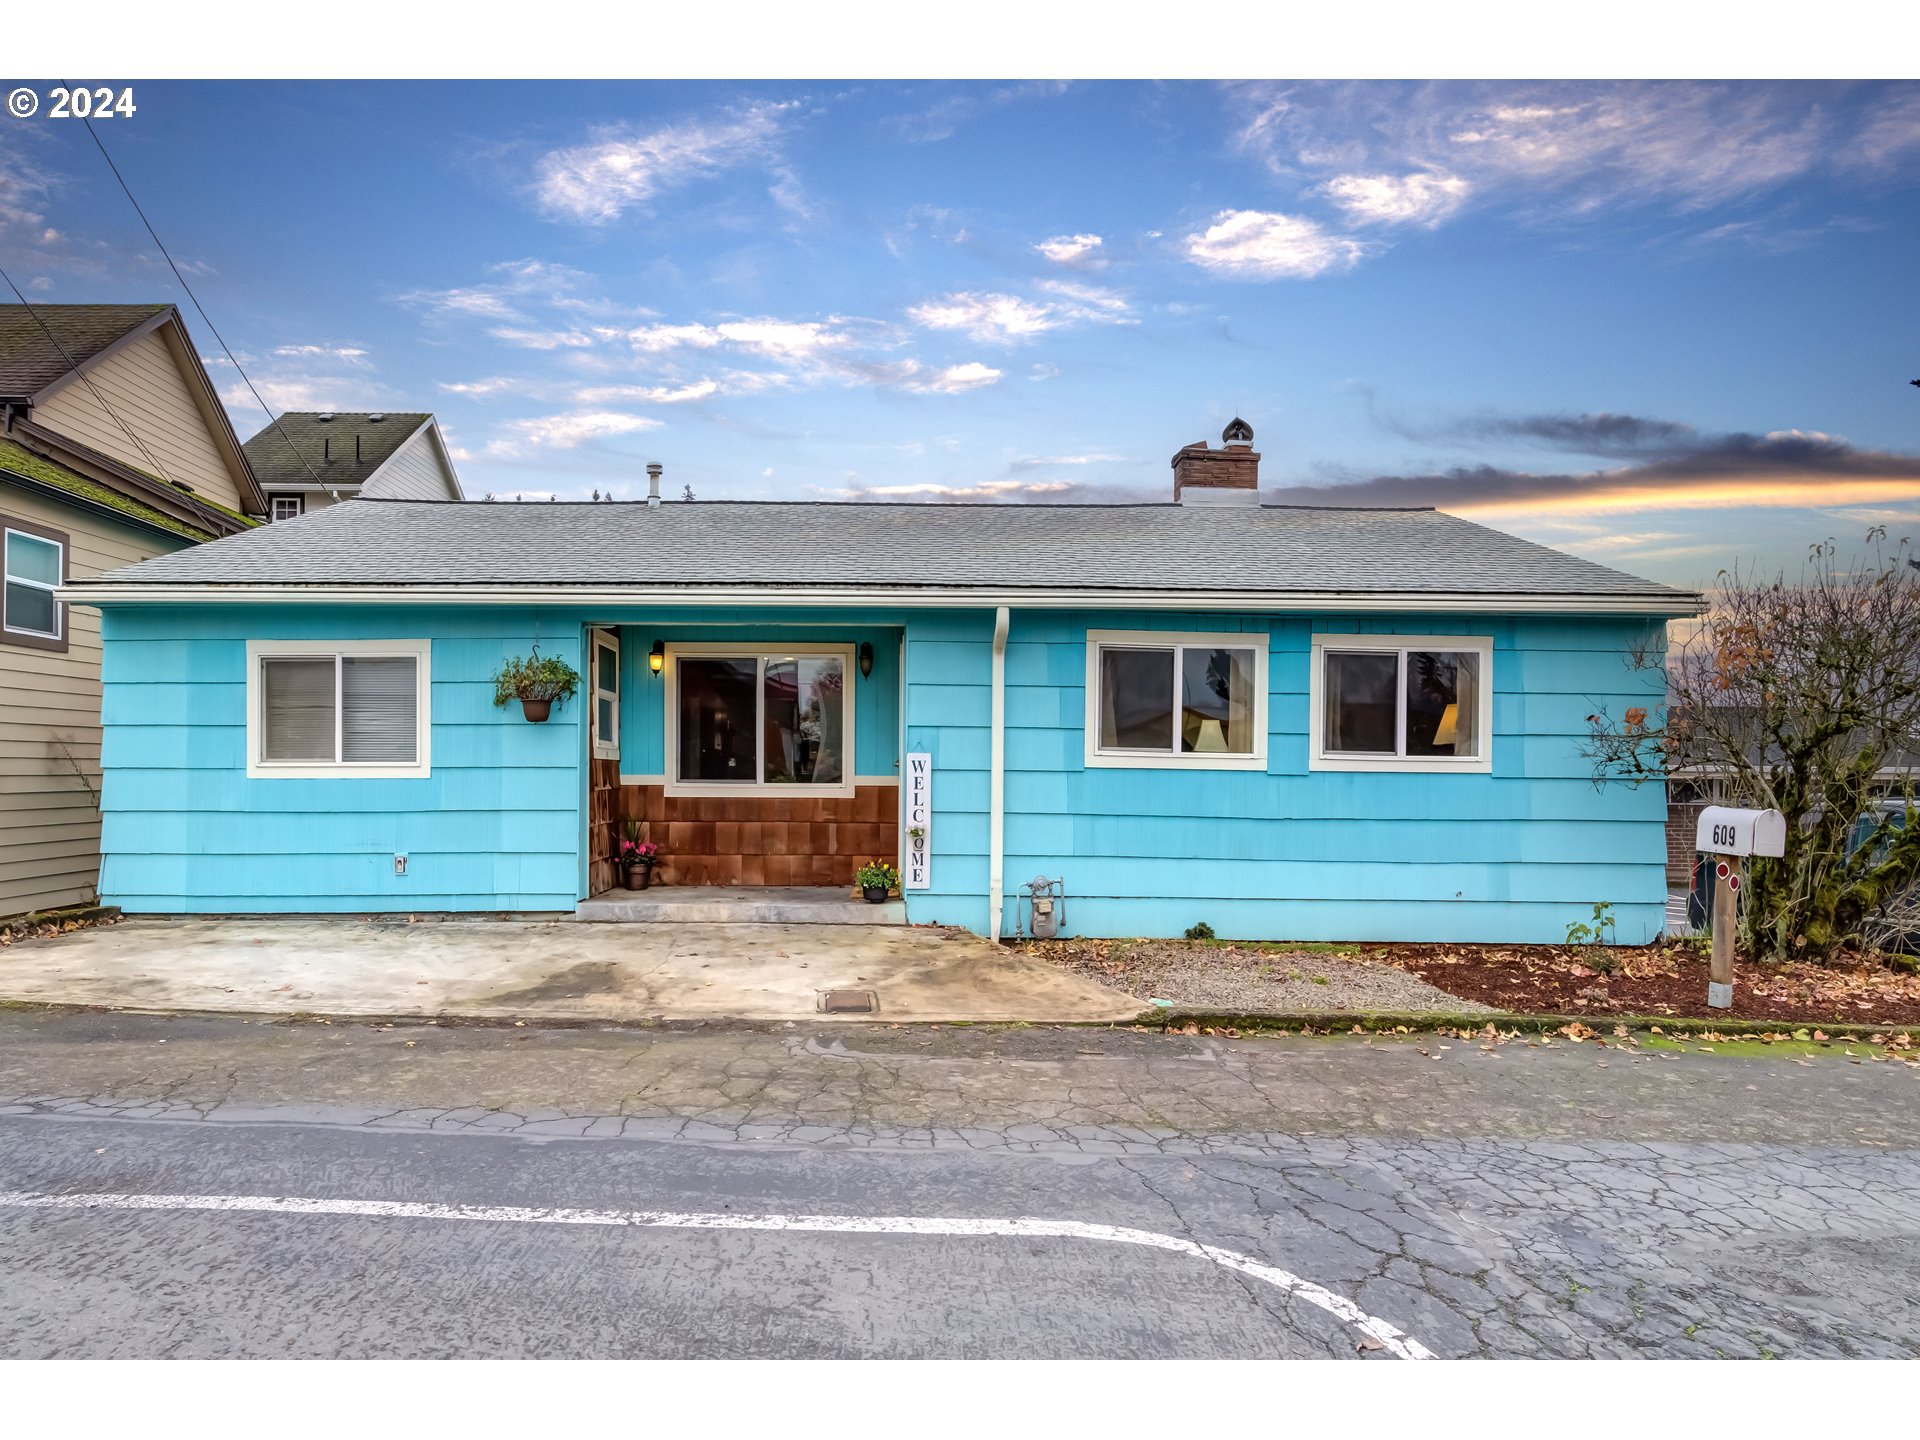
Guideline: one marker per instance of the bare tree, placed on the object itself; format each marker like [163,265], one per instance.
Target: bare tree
[1802,698]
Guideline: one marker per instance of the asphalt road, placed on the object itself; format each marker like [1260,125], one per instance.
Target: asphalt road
[415,1237]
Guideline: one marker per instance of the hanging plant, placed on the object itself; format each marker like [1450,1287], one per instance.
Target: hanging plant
[536,682]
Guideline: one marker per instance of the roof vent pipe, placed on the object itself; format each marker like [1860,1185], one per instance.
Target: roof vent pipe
[653,484]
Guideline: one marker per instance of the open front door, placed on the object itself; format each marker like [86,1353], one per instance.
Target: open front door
[603,751]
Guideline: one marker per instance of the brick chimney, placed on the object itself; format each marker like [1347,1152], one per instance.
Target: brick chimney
[1228,476]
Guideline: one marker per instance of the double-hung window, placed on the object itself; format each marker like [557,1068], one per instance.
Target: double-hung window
[1168,700]
[35,564]
[606,695]
[1402,702]
[760,717]
[319,709]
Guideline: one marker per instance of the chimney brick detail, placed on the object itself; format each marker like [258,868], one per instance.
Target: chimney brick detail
[1197,467]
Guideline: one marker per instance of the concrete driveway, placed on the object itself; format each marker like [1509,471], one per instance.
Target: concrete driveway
[547,970]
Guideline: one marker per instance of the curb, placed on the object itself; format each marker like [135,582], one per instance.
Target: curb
[1388,1021]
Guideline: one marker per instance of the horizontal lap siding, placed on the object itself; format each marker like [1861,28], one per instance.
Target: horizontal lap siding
[1289,853]
[495,826]
[50,720]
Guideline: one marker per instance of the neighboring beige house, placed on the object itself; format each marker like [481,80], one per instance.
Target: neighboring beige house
[113,448]
[309,459]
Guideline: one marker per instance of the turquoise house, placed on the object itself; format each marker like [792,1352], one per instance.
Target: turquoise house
[1285,722]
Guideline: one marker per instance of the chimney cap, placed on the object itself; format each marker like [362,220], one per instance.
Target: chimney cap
[1238,432]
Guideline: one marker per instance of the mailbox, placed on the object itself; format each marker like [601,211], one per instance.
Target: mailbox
[1724,830]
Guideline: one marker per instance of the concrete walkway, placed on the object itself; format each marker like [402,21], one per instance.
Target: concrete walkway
[547,970]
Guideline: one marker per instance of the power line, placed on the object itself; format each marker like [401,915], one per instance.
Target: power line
[87,380]
[272,419]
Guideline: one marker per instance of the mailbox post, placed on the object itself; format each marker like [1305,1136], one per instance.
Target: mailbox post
[1733,834]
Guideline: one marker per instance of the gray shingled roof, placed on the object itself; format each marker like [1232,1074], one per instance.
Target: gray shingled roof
[324,440]
[31,359]
[1277,549]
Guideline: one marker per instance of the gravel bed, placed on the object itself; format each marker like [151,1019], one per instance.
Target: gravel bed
[1248,977]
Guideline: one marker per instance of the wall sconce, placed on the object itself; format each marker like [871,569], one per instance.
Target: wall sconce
[866,659]
[657,657]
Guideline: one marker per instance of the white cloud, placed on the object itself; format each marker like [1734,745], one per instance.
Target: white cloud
[1007,319]
[999,319]
[346,354]
[1043,371]
[542,339]
[1264,245]
[783,339]
[1391,153]
[955,379]
[565,432]
[1083,250]
[599,181]
[1424,199]
[479,389]
[656,394]
[932,490]
[1040,462]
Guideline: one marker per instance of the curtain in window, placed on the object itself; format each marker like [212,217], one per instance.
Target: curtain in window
[379,710]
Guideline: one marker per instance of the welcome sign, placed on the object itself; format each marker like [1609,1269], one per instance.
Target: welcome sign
[917,805]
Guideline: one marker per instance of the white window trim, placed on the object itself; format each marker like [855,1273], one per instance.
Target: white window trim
[757,787]
[1319,759]
[258,769]
[1098,757]
[59,631]
[273,506]
[604,747]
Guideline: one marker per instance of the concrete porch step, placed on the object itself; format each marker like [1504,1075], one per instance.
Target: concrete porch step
[740,905]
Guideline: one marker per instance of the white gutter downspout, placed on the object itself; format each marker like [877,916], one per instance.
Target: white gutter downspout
[997,777]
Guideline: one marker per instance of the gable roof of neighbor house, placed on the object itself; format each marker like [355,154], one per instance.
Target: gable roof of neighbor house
[21,466]
[46,348]
[1273,556]
[295,449]
[39,346]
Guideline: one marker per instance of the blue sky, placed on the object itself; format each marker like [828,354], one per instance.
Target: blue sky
[1665,325]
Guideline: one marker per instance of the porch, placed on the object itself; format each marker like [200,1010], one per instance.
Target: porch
[741,905]
[762,756]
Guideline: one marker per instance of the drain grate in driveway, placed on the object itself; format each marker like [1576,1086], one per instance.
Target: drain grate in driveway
[848,1002]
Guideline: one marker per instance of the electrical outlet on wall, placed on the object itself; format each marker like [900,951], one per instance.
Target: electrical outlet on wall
[399,864]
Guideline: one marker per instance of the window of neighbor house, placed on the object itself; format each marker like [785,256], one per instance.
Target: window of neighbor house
[319,709]
[1169,699]
[1401,702]
[751,717]
[289,507]
[35,564]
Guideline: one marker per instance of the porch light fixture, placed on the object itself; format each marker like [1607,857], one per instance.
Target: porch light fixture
[866,659]
[657,657]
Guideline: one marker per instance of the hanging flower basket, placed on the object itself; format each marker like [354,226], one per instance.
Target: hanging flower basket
[536,682]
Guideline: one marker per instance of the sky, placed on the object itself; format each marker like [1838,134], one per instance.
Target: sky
[1668,326]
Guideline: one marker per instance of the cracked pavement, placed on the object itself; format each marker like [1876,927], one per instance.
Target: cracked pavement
[1559,1200]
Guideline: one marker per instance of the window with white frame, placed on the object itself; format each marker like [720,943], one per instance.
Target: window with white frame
[606,695]
[1402,702]
[289,507]
[1159,698]
[320,709]
[35,562]
[759,717]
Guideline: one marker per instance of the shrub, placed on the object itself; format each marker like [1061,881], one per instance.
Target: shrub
[1202,931]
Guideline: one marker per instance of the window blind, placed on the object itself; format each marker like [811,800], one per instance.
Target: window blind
[297,707]
[379,706]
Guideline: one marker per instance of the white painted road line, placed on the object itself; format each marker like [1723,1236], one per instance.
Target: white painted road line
[1393,1340]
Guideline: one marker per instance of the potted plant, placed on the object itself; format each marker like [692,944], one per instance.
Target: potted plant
[636,858]
[536,682]
[875,879]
